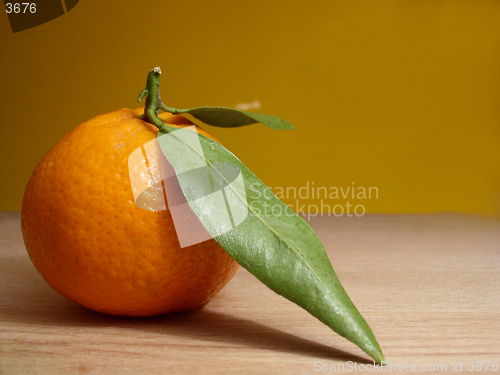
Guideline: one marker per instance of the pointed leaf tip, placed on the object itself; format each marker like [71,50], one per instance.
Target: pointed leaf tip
[264,235]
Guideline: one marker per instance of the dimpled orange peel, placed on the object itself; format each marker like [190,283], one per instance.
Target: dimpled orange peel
[94,245]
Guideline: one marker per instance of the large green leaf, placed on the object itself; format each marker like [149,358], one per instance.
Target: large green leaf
[272,242]
[230,117]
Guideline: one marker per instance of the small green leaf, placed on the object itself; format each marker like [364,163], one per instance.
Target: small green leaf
[231,118]
[264,236]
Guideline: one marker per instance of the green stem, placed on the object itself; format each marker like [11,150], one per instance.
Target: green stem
[169,109]
[153,99]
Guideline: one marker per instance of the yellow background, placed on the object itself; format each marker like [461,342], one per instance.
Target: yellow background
[399,95]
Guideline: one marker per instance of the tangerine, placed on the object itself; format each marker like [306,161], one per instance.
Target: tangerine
[90,241]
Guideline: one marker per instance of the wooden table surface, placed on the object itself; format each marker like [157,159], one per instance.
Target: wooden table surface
[428,285]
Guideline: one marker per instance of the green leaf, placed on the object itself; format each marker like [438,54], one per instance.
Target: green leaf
[231,118]
[272,242]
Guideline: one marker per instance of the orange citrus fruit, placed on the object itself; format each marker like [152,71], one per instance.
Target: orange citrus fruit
[91,242]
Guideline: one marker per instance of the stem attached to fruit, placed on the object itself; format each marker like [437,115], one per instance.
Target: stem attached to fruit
[153,99]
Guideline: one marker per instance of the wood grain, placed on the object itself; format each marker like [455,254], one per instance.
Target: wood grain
[427,284]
